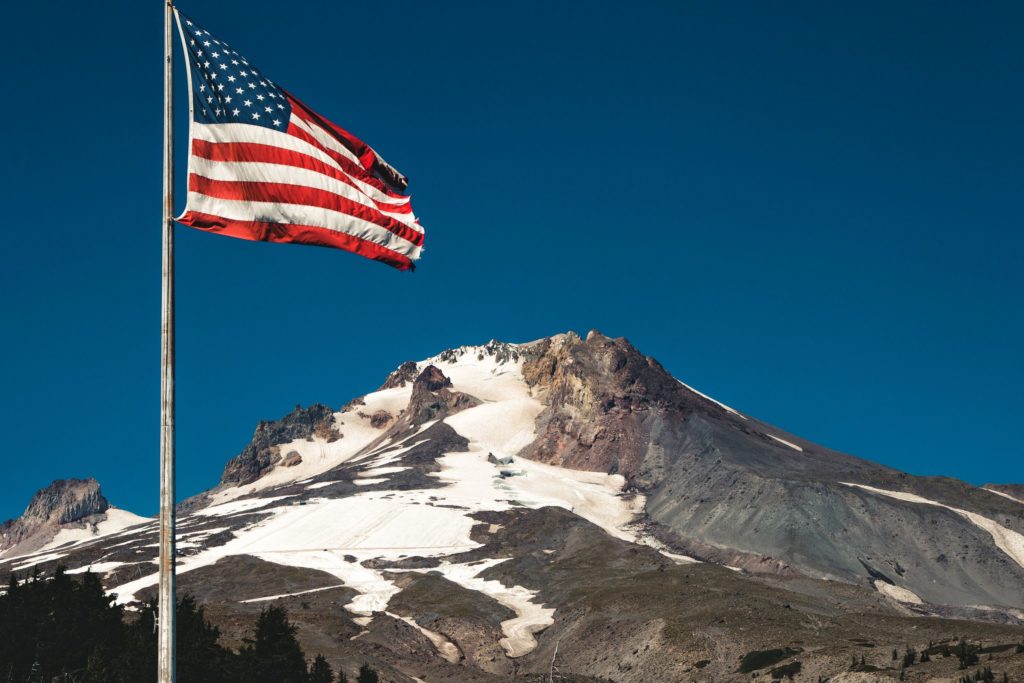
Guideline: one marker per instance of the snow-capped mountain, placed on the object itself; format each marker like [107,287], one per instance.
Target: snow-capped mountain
[497,508]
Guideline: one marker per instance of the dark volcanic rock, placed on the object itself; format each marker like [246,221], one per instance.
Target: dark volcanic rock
[65,501]
[405,373]
[262,453]
[433,397]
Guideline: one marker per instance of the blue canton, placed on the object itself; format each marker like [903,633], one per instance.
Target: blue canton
[226,88]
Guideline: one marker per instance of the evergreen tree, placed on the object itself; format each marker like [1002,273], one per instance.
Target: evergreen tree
[342,678]
[367,675]
[200,657]
[273,655]
[321,671]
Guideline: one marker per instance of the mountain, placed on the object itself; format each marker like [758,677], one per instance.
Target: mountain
[500,512]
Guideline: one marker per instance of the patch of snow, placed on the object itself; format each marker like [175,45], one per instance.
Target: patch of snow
[377,472]
[530,617]
[33,560]
[237,506]
[1007,540]
[897,593]
[116,521]
[97,568]
[1005,495]
[717,403]
[268,598]
[368,482]
[444,647]
[785,443]
[319,485]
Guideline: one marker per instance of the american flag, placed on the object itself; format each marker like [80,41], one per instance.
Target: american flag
[264,166]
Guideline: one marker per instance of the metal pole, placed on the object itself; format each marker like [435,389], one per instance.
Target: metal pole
[165,634]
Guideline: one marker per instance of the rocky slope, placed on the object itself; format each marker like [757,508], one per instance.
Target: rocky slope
[505,512]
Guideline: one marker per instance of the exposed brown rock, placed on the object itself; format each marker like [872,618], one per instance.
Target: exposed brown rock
[260,455]
[291,460]
[380,419]
[405,373]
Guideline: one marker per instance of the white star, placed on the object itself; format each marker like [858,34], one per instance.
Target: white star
[235,112]
[206,43]
[209,99]
[215,55]
[228,98]
[277,122]
[188,22]
[252,86]
[202,87]
[267,109]
[223,67]
[260,98]
[213,75]
[242,73]
[199,53]
[206,65]
[235,62]
[255,116]
[220,86]
[280,106]
[192,41]
[231,79]
[217,112]
[247,103]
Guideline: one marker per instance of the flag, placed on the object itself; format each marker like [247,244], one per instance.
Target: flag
[264,166]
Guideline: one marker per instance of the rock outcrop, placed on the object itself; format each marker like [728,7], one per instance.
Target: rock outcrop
[262,453]
[64,502]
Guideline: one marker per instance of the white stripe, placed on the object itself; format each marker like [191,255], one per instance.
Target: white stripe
[243,132]
[262,172]
[274,212]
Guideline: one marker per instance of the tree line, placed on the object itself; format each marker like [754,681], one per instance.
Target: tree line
[65,630]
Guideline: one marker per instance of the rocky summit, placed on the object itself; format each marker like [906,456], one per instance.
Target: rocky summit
[567,510]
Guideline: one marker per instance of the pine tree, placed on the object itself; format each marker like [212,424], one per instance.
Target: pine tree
[200,657]
[342,678]
[273,655]
[367,675]
[321,671]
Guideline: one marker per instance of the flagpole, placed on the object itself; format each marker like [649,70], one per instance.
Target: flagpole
[167,604]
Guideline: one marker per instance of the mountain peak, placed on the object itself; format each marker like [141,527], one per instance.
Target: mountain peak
[64,501]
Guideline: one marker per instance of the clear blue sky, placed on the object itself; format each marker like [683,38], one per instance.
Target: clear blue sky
[811,211]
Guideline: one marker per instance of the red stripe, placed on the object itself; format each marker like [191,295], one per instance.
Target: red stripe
[296,234]
[350,167]
[367,157]
[299,194]
[260,153]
